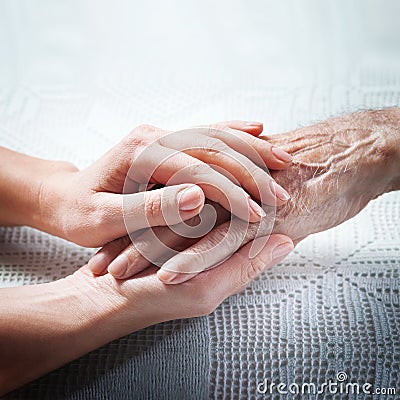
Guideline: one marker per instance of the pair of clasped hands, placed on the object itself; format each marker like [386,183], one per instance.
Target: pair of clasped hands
[127,212]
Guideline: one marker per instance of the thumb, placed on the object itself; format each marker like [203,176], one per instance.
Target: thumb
[166,206]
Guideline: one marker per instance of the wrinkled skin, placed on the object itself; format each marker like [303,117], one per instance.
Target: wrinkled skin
[339,165]
[336,171]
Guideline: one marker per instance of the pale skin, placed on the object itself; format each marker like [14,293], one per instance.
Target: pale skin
[45,326]
[88,207]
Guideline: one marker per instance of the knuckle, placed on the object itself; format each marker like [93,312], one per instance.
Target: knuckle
[254,267]
[199,169]
[215,145]
[237,191]
[253,142]
[131,254]
[237,237]
[133,141]
[142,135]
[260,178]
[256,229]
[215,239]
[214,130]
[152,206]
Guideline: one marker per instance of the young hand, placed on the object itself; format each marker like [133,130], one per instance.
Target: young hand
[105,201]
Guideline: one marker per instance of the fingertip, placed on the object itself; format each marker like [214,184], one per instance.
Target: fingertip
[98,263]
[119,266]
[191,198]
[276,165]
[274,157]
[173,278]
[282,250]
[276,243]
[273,194]
[281,155]
[273,249]
[257,211]
[279,192]
[254,128]
[166,276]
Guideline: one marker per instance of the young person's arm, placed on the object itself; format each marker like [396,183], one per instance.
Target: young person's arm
[45,326]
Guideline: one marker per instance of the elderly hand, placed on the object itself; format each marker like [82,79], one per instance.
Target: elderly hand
[339,165]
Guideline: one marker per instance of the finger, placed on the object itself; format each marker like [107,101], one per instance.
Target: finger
[235,273]
[210,251]
[165,206]
[99,262]
[254,128]
[240,269]
[213,249]
[229,163]
[153,246]
[273,157]
[157,245]
[171,167]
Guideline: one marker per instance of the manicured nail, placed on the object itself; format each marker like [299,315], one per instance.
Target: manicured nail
[281,154]
[256,208]
[279,191]
[282,250]
[190,199]
[254,123]
[119,266]
[166,276]
[98,263]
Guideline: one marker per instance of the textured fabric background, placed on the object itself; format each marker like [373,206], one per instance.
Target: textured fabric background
[77,76]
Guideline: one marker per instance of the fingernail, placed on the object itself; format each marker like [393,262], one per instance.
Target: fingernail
[279,191]
[281,154]
[166,276]
[256,208]
[119,266]
[190,199]
[282,250]
[253,123]
[97,263]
